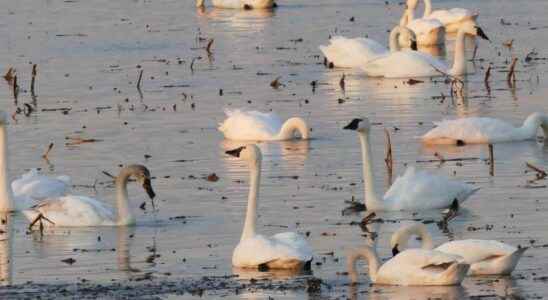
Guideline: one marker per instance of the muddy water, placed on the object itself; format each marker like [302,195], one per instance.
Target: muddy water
[90,53]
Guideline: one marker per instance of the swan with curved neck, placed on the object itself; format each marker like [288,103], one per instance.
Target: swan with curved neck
[414,267]
[451,19]
[485,257]
[415,190]
[405,64]
[286,250]
[257,126]
[483,130]
[351,53]
[23,192]
[239,4]
[78,211]
[429,32]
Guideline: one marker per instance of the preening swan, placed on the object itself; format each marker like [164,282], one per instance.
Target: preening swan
[351,53]
[415,190]
[286,250]
[243,4]
[257,126]
[23,192]
[485,257]
[416,64]
[429,32]
[452,18]
[410,267]
[476,130]
[79,211]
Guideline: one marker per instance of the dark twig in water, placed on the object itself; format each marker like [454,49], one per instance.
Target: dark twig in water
[39,218]
[511,77]
[194,59]
[541,174]
[208,47]
[342,83]
[140,79]
[275,84]
[491,161]
[32,83]
[15,89]
[48,150]
[449,215]
[388,159]
[486,79]
[9,75]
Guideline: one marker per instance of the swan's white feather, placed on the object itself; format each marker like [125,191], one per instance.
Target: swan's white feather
[421,190]
[477,250]
[351,53]
[240,3]
[259,249]
[424,26]
[404,64]
[250,125]
[452,15]
[36,186]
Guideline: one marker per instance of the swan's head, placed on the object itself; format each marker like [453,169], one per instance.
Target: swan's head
[4,118]
[409,38]
[361,125]
[249,153]
[400,237]
[142,176]
[472,29]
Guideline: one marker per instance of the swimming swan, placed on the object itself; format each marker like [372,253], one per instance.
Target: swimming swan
[452,18]
[429,32]
[476,130]
[410,267]
[417,64]
[351,53]
[79,211]
[243,4]
[286,250]
[485,257]
[257,126]
[415,190]
[23,192]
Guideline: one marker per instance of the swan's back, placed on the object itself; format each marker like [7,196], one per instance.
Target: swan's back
[476,250]
[424,26]
[250,125]
[473,130]
[419,189]
[349,53]
[39,187]
[452,15]
[403,64]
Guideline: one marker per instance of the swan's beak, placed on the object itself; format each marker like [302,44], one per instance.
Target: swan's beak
[148,188]
[353,125]
[414,45]
[395,250]
[482,34]
[235,152]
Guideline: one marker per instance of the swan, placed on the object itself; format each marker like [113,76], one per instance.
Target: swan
[415,190]
[429,32]
[485,257]
[23,192]
[243,4]
[417,64]
[451,19]
[286,250]
[484,130]
[258,126]
[80,211]
[351,53]
[410,267]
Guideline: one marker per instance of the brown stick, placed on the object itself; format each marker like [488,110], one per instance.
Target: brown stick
[388,160]
[140,80]
[208,48]
[541,174]
[486,79]
[342,83]
[491,161]
[33,81]
[511,77]
[46,154]
[9,75]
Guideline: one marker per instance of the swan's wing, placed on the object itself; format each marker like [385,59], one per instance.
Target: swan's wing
[474,251]
[259,249]
[227,3]
[250,125]
[350,53]
[404,64]
[451,16]
[72,211]
[39,187]
[424,26]
[470,130]
[419,190]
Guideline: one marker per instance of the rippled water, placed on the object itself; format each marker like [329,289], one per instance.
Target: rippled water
[89,54]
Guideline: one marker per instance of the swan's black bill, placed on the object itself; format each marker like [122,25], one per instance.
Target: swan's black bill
[414,46]
[235,152]
[395,250]
[482,34]
[353,125]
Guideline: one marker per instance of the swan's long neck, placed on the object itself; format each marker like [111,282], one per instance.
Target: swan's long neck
[125,216]
[372,202]
[199,3]
[251,213]
[372,261]
[290,126]
[459,63]
[6,195]
[393,39]
[427,8]
[401,237]
[532,123]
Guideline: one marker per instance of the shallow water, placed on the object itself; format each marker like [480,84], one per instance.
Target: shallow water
[89,54]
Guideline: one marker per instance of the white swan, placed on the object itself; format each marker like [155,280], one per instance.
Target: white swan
[416,64]
[452,19]
[352,53]
[243,4]
[257,126]
[410,267]
[484,130]
[429,32]
[79,211]
[286,250]
[23,192]
[415,190]
[485,257]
